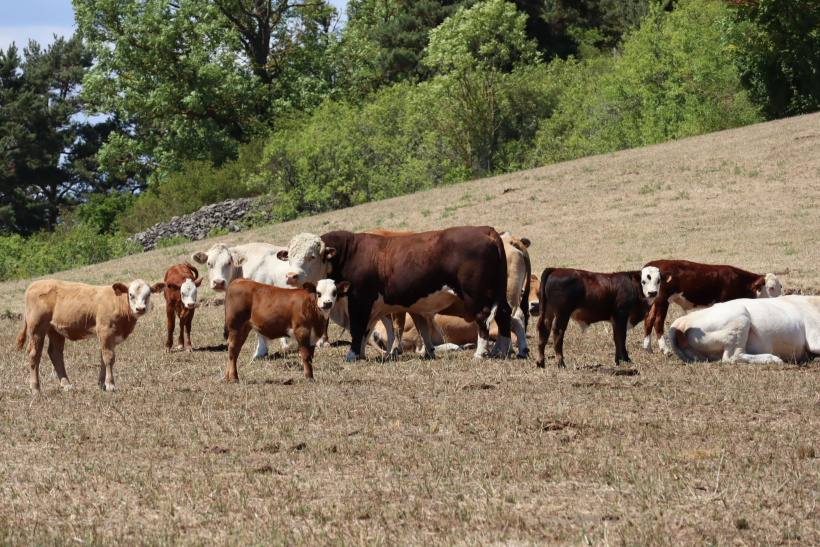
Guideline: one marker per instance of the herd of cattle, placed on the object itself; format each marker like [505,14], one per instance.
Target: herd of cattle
[460,286]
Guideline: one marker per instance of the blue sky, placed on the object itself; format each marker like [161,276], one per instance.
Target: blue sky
[41,19]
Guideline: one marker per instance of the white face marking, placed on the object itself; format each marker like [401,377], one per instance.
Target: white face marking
[305,263]
[139,294]
[326,296]
[650,282]
[188,293]
[771,288]
[222,264]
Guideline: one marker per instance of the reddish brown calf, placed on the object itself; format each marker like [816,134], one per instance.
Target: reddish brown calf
[300,314]
[180,301]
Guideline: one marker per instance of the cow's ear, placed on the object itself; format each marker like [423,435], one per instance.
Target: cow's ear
[330,252]
[309,287]
[119,288]
[636,277]
[238,259]
[758,285]
[282,255]
[525,241]
[157,287]
[342,289]
[198,282]
[199,258]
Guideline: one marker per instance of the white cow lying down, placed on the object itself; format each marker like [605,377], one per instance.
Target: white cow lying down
[758,331]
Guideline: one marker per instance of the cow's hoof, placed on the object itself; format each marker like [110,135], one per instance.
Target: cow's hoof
[67,387]
[34,390]
[110,387]
[167,349]
[540,363]
[351,356]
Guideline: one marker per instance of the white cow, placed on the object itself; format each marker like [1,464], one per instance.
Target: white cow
[757,331]
[254,261]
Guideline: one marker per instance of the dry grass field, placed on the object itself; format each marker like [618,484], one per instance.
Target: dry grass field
[452,450]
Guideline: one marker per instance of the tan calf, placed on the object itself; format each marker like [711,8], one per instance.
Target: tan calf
[300,314]
[61,309]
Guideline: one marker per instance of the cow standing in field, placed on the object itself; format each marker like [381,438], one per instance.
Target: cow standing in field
[61,309]
[750,331]
[301,314]
[694,285]
[254,261]
[621,298]
[181,283]
[462,270]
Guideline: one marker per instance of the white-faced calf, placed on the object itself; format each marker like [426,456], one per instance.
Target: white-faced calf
[61,309]
[300,314]
[181,285]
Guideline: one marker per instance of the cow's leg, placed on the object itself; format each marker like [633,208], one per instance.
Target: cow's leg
[35,353]
[399,320]
[306,351]
[619,336]
[189,319]
[543,326]
[181,339]
[519,328]
[503,316]
[107,359]
[236,338]
[359,326]
[387,322]
[423,323]
[262,346]
[648,323]
[559,329]
[482,347]
[56,347]
[661,309]
[172,318]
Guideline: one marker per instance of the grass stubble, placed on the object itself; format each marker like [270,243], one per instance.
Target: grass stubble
[452,450]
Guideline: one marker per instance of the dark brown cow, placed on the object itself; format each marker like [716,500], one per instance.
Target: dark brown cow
[300,314]
[588,297]
[181,284]
[692,285]
[462,270]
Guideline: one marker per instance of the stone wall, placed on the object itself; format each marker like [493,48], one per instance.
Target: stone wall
[226,215]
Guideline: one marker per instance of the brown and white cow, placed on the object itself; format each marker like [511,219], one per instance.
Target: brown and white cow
[61,309]
[462,270]
[300,314]
[589,297]
[255,261]
[694,285]
[181,283]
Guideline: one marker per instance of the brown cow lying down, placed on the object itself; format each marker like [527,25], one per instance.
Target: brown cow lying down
[300,314]
[61,309]
[589,297]
[181,284]
[448,333]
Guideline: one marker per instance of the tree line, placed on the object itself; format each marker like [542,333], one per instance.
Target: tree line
[155,107]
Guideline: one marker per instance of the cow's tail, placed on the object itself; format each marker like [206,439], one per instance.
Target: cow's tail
[525,296]
[680,345]
[21,338]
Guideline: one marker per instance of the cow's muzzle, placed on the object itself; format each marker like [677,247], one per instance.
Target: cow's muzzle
[218,284]
[652,294]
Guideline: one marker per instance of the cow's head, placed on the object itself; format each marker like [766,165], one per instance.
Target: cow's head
[767,286]
[327,293]
[139,294]
[534,304]
[187,291]
[223,265]
[307,257]
[650,282]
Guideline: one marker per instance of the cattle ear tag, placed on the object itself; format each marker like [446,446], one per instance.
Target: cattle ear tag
[309,287]
[669,279]
[119,288]
[330,252]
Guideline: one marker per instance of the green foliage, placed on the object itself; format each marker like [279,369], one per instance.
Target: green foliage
[191,79]
[104,211]
[199,184]
[776,46]
[171,241]
[71,245]
[671,82]
[43,153]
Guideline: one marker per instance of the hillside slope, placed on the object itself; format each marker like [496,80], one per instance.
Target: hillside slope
[746,197]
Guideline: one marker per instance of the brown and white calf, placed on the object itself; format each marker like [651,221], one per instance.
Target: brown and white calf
[589,297]
[694,285]
[300,314]
[61,309]
[181,284]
